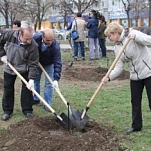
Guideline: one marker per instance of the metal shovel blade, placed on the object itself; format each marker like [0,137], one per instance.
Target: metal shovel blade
[75,117]
[64,122]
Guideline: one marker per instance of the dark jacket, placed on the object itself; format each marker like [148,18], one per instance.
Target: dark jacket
[101,30]
[92,25]
[51,55]
[24,58]
[69,26]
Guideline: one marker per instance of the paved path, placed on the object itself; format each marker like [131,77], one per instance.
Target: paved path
[67,46]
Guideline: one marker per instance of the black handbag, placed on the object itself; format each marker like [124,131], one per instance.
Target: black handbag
[74,33]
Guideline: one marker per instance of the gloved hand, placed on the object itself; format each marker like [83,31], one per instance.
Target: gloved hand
[30,84]
[4,59]
[55,84]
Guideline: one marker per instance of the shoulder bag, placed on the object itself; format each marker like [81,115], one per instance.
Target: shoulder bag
[74,32]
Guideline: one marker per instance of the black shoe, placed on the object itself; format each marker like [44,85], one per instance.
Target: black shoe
[131,130]
[5,117]
[35,102]
[29,115]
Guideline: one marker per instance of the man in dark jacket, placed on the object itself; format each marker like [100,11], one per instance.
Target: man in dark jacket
[18,48]
[50,59]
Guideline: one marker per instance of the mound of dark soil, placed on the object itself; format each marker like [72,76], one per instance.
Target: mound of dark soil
[45,134]
[89,74]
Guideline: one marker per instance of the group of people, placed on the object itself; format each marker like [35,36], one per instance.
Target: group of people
[24,51]
[96,26]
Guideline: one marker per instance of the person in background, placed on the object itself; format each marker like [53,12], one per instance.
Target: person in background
[92,26]
[79,24]
[50,59]
[101,29]
[69,27]
[139,57]
[16,24]
[18,48]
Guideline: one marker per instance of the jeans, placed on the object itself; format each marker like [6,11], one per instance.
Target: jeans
[9,97]
[103,47]
[94,44]
[48,89]
[79,49]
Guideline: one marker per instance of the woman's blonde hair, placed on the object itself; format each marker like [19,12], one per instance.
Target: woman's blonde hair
[113,27]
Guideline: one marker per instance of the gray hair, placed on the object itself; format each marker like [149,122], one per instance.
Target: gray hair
[26,28]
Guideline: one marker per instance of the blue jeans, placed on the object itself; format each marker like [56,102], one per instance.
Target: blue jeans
[79,49]
[48,89]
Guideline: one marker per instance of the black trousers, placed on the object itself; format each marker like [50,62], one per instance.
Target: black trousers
[136,100]
[8,96]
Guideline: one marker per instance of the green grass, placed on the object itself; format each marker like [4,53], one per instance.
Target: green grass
[111,107]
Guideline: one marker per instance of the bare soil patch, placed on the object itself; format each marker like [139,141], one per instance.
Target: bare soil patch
[45,134]
[81,72]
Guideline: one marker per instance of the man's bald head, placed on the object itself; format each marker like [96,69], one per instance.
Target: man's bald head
[48,36]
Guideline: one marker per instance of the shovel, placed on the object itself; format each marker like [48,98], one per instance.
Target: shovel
[72,115]
[62,119]
[81,122]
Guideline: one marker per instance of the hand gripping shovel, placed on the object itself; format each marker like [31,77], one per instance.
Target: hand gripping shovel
[81,122]
[72,115]
[62,120]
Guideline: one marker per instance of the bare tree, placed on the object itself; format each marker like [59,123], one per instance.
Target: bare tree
[10,9]
[139,6]
[16,10]
[4,6]
[127,7]
[146,5]
[36,10]
[81,5]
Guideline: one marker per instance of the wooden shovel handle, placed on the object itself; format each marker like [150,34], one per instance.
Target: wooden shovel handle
[50,80]
[32,89]
[109,71]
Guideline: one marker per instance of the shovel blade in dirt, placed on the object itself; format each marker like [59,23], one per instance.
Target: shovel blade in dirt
[61,96]
[64,121]
[84,118]
[77,121]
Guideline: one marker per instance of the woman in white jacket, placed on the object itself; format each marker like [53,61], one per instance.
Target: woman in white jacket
[139,57]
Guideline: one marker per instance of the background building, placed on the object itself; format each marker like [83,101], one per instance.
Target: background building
[59,12]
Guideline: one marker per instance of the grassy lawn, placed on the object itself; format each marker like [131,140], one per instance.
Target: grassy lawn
[111,107]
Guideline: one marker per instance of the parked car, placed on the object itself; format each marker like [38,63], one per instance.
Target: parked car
[61,34]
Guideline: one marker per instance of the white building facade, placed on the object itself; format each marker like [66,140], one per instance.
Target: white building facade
[113,10]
